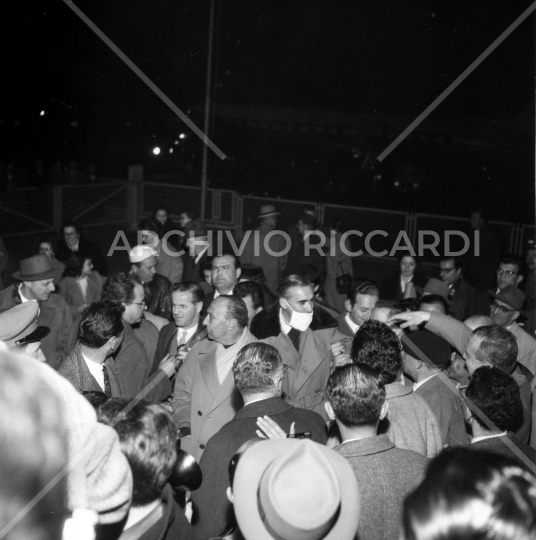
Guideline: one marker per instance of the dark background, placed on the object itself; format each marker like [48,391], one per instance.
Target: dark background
[373,57]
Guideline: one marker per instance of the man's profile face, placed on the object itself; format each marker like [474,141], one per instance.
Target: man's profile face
[251,310]
[531,259]
[184,219]
[361,311]
[34,350]
[224,274]
[40,290]
[134,310]
[161,216]
[448,271]
[185,311]
[457,369]
[508,274]
[146,269]
[502,314]
[471,361]
[71,236]
[216,320]
[300,299]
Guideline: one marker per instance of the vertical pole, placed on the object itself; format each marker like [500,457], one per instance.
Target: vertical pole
[208,91]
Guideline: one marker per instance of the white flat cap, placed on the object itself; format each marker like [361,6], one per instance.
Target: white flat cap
[140,253]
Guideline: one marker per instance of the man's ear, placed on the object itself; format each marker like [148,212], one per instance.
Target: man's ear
[348,305]
[199,307]
[283,306]
[329,410]
[134,268]
[384,410]
[515,316]
[519,280]
[238,273]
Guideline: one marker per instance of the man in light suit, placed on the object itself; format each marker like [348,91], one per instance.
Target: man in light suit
[178,337]
[205,396]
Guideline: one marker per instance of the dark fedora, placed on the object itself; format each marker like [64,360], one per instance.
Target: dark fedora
[511,296]
[35,268]
[268,210]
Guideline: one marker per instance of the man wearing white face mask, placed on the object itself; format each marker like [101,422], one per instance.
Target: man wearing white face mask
[307,338]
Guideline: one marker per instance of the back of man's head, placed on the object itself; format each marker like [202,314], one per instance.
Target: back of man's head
[147,433]
[237,309]
[119,287]
[253,290]
[100,321]
[492,396]
[434,302]
[498,347]
[258,369]
[357,394]
[376,345]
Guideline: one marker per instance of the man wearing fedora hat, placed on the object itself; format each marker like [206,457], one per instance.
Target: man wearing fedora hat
[293,489]
[256,249]
[35,282]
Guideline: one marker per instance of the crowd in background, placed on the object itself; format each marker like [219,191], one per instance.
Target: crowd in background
[253,396]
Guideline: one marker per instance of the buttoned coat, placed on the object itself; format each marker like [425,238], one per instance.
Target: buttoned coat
[309,369]
[199,401]
[75,370]
[211,505]
[54,313]
[385,475]
[70,291]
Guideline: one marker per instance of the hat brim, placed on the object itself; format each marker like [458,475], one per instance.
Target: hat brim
[49,274]
[247,480]
[498,296]
[269,214]
[421,290]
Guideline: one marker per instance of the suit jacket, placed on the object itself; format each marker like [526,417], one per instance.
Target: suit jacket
[191,269]
[344,327]
[309,369]
[75,370]
[526,346]
[71,292]
[442,396]
[385,475]
[199,401]
[462,296]
[132,367]
[509,446]
[390,288]
[170,264]
[211,505]
[54,313]
[158,297]
[168,334]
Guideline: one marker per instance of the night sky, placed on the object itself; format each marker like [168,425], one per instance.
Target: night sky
[372,56]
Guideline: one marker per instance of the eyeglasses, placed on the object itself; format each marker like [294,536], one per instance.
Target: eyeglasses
[507,273]
[138,303]
[500,308]
[446,270]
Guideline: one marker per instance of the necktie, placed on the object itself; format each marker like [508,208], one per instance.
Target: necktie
[107,387]
[182,340]
[294,336]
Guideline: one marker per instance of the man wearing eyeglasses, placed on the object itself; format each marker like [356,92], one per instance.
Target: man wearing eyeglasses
[510,272]
[461,292]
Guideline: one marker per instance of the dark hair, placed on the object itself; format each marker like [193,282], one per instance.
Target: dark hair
[498,348]
[407,254]
[257,369]
[394,306]
[236,309]
[376,345]
[189,213]
[46,239]
[71,223]
[410,304]
[205,264]
[228,254]
[198,295]
[147,433]
[294,280]
[362,287]
[252,289]
[458,263]
[95,397]
[119,287]
[516,261]
[356,393]
[434,299]
[493,396]
[75,264]
[99,322]
[337,224]
[160,207]
[472,495]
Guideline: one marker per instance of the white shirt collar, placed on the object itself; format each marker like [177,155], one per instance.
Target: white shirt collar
[353,326]
[23,298]
[285,327]
[96,370]
[476,439]
[200,254]
[189,333]
[255,400]
[418,384]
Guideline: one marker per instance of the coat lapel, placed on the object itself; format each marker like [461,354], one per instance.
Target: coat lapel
[207,365]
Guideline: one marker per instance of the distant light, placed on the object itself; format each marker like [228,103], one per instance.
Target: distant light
[397,183]
[182,136]
[156,150]
[171,150]
[176,142]
[415,185]
[42,113]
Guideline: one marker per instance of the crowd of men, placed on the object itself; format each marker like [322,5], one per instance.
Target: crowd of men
[303,421]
